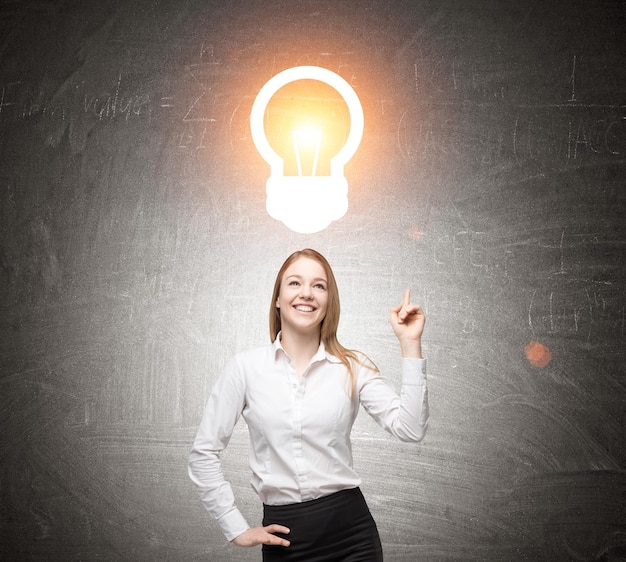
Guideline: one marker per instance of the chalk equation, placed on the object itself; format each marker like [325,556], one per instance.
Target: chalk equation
[197,103]
[540,255]
[584,311]
[527,137]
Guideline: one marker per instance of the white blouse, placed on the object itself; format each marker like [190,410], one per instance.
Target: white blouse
[299,428]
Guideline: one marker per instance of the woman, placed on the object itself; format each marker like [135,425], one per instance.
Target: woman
[299,397]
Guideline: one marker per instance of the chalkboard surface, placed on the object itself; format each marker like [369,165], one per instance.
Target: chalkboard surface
[136,257]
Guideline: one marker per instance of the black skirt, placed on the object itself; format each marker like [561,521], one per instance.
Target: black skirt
[335,528]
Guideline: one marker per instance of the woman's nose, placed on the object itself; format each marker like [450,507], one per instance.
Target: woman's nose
[305,291]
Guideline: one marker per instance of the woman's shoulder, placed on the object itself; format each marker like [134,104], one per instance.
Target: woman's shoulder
[255,354]
[246,362]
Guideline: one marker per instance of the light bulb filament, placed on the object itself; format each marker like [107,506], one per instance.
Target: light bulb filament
[306,143]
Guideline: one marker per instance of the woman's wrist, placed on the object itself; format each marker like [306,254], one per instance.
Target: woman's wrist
[411,348]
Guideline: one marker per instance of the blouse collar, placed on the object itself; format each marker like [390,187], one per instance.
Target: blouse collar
[320,355]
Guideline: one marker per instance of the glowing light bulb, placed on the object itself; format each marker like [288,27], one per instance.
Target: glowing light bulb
[308,202]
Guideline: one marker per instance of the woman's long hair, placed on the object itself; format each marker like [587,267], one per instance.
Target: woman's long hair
[330,323]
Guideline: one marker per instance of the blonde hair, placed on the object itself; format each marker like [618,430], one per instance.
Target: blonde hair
[330,323]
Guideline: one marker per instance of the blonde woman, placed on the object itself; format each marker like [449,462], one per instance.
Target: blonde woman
[300,396]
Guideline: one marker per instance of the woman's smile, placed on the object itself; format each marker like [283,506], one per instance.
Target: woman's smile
[304,307]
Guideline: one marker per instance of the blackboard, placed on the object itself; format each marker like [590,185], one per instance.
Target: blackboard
[137,256]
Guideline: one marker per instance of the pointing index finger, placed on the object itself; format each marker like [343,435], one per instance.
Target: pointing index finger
[407,298]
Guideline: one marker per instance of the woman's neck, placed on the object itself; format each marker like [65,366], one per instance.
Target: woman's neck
[300,347]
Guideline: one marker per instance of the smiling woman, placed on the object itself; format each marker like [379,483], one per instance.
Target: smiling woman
[300,396]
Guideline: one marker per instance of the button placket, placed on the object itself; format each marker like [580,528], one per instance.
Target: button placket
[298,452]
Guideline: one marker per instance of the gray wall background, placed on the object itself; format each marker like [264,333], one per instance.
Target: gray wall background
[136,257]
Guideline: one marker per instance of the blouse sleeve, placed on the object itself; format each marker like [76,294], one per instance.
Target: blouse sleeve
[404,416]
[222,411]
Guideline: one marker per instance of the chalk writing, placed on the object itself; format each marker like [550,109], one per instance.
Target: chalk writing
[452,305]
[580,310]
[194,136]
[471,253]
[345,63]
[18,100]
[599,136]
[462,248]
[207,54]
[545,137]
[496,129]
[572,80]
[21,100]
[201,101]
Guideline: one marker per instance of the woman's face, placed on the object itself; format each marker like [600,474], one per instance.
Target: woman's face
[303,296]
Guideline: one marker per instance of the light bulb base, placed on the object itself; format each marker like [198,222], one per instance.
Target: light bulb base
[307,204]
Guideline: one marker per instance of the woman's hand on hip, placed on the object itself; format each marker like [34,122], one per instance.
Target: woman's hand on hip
[262,535]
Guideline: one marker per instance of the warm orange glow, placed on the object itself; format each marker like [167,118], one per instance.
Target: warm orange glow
[307,105]
[538,355]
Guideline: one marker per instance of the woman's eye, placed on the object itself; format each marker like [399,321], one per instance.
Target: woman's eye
[320,286]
